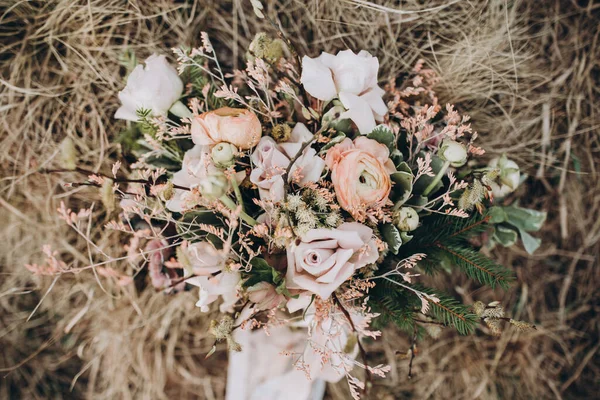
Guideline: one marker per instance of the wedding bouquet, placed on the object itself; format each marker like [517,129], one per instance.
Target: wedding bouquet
[307,198]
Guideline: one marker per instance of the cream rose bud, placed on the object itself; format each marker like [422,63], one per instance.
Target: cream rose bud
[406,219]
[322,259]
[510,176]
[453,152]
[237,126]
[223,155]
[353,79]
[265,296]
[214,186]
[156,86]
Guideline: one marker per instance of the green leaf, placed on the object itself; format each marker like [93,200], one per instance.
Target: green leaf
[392,237]
[403,185]
[424,181]
[505,235]
[383,135]
[497,215]
[525,218]
[335,140]
[262,272]
[397,157]
[530,243]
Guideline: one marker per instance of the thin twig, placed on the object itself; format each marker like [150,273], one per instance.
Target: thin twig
[361,349]
[412,351]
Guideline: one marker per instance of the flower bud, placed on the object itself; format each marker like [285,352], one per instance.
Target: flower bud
[281,133]
[406,219]
[265,296]
[214,186]
[223,154]
[509,176]
[453,152]
[262,46]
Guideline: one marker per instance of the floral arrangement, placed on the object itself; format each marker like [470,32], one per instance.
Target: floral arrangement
[305,193]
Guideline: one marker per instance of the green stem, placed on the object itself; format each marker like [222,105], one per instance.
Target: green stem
[238,193]
[233,207]
[436,179]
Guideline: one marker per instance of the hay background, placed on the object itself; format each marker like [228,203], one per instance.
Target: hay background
[528,73]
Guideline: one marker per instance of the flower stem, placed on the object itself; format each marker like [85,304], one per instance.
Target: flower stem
[238,193]
[436,179]
[234,207]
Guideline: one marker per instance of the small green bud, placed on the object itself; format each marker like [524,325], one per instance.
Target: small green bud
[453,152]
[223,154]
[406,219]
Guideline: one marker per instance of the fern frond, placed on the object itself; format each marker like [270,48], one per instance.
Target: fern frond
[450,311]
[476,265]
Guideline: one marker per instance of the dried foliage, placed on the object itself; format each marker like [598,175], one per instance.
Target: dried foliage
[526,71]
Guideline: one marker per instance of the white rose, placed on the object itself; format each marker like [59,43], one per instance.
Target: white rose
[156,86]
[510,176]
[353,79]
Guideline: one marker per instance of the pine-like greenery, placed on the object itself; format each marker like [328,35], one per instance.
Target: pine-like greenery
[445,241]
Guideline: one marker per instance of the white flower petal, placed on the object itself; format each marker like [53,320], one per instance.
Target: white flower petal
[317,80]
[359,111]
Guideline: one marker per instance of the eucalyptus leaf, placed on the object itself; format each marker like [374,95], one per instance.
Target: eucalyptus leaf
[383,135]
[392,237]
[335,140]
[524,218]
[402,189]
[397,158]
[505,235]
[530,243]
[497,214]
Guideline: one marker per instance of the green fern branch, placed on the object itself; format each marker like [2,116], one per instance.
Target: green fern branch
[477,266]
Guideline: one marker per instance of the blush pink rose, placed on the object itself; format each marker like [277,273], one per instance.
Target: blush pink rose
[237,126]
[360,172]
[272,159]
[323,259]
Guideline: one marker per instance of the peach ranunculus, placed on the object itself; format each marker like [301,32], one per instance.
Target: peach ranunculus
[323,259]
[271,160]
[237,126]
[353,79]
[360,172]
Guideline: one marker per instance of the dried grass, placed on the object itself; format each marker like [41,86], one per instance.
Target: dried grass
[526,71]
